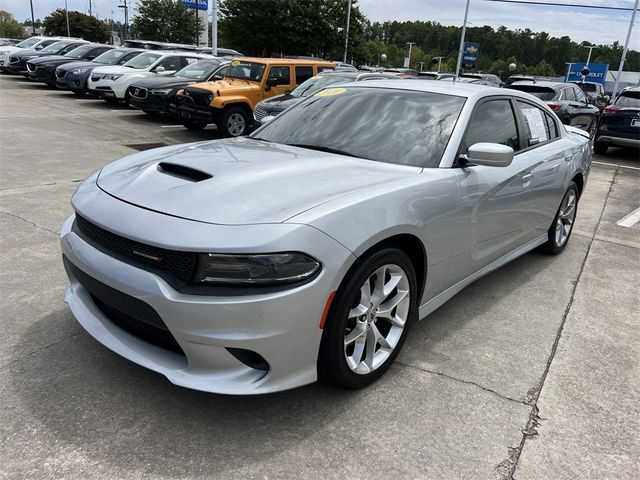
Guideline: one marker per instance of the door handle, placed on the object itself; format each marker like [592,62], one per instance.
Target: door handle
[526,179]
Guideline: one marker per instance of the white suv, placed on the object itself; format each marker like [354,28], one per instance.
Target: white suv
[112,82]
[31,43]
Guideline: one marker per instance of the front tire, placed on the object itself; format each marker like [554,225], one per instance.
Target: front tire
[562,226]
[369,319]
[234,122]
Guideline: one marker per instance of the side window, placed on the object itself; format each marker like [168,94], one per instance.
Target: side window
[568,95]
[579,95]
[67,49]
[189,60]
[539,125]
[170,64]
[281,73]
[303,73]
[492,122]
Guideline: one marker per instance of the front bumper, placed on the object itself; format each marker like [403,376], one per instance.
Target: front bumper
[185,108]
[152,103]
[19,67]
[41,75]
[282,327]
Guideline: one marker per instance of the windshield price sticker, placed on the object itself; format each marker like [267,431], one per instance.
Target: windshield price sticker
[235,63]
[330,92]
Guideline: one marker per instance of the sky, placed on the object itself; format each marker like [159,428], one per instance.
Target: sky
[595,26]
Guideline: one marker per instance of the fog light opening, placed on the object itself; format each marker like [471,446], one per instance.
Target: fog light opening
[249,358]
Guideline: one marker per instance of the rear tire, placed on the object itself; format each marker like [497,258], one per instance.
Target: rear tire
[369,319]
[562,225]
[600,148]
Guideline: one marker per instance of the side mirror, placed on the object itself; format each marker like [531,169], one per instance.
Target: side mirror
[490,154]
[215,78]
[160,69]
[272,82]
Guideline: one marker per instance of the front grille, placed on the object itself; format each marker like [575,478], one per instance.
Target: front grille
[259,113]
[174,266]
[138,92]
[160,337]
[96,76]
[60,73]
[202,98]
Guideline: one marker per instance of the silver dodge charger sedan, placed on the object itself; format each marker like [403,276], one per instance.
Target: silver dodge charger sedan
[308,249]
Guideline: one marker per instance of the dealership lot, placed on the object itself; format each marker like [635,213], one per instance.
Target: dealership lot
[527,373]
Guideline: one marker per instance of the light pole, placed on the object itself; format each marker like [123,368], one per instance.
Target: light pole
[411,44]
[590,47]
[214,27]
[439,62]
[346,35]
[66,12]
[624,52]
[126,18]
[464,31]
[33,19]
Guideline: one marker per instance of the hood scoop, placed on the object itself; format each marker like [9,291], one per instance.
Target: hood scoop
[183,172]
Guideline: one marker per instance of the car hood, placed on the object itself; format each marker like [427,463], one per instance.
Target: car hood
[169,81]
[280,103]
[249,181]
[31,54]
[74,65]
[229,86]
[51,59]
[118,69]
[9,49]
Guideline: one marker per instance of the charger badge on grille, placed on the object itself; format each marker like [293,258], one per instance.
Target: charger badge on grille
[155,258]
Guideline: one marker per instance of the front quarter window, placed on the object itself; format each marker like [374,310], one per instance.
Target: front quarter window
[387,125]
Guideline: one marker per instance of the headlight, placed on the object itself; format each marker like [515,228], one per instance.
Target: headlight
[112,76]
[161,91]
[258,269]
[80,71]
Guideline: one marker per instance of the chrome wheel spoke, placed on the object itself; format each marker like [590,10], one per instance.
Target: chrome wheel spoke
[380,316]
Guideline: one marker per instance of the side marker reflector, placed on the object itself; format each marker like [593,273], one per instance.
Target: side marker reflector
[327,307]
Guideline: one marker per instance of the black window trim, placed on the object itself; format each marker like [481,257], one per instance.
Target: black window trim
[456,162]
[522,121]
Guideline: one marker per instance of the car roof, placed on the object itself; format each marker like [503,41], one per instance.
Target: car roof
[285,61]
[541,83]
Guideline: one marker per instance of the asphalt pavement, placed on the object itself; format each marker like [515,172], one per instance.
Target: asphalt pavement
[532,372]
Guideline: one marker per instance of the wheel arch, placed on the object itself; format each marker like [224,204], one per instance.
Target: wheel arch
[578,179]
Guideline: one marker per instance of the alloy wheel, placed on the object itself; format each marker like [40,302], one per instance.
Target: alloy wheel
[566,217]
[377,320]
[236,124]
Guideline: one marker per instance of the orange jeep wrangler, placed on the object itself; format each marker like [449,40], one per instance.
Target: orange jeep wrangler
[229,102]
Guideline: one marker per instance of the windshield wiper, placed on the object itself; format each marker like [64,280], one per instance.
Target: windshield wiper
[321,148]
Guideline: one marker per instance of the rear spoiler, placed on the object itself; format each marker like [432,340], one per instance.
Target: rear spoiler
[577,131]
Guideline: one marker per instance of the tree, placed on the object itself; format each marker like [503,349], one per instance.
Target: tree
[9,27]
[80,25]
[166,21]
[291,27]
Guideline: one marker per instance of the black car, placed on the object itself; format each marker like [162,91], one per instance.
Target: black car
[153,95]
[274,105]
[154,45]
[220,52]
[566,99]
[620,122]
[595,93]
[43,69]
[74,76]
[18,60]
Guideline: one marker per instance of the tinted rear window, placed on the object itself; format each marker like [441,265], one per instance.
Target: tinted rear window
[628,100]
[543,93]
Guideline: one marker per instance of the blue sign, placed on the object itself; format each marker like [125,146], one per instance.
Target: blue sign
[597,72]
[470,54]
[202,4]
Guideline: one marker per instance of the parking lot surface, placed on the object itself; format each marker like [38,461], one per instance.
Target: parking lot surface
[530,373]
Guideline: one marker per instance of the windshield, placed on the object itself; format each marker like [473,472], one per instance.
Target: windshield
[54,47]
[111,57]
[628,100]
[79,52]
[314,84]
[543,93]
[587,87]
[393,126]
[198,70]
[29,42]
[246,70]
[144,60]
